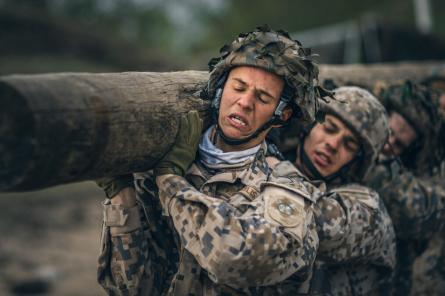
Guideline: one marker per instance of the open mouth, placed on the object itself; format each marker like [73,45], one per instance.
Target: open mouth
[322,159]
[238,121]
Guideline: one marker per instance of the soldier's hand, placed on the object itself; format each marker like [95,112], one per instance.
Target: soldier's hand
[183,152]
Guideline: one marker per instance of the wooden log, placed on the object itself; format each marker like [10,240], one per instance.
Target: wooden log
[60,128]
[370,75]
[67,127]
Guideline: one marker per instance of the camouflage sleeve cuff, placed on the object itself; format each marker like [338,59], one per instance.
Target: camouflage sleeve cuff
[120,219]
[173,170]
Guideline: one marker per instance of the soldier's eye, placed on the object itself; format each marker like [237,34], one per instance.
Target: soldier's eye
[351,145]
[263,99]
[329,128]
[239,88]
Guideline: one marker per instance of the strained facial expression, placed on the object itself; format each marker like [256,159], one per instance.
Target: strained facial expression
[401,137]
[331,145]
[249,99]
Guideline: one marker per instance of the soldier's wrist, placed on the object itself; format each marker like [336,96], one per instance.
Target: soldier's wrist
[172,170]
[113,185]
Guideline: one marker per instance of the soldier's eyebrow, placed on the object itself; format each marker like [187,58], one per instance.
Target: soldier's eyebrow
[239,80]
[332,123]
[258,91]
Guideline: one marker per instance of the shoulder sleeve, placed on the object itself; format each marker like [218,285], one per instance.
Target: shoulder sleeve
[354,224]
[138,249]
[262,242]
[123,255]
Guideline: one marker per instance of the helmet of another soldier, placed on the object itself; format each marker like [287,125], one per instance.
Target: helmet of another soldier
[366,117]
[419,106]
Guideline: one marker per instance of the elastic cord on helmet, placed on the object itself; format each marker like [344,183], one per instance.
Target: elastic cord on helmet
[285,99]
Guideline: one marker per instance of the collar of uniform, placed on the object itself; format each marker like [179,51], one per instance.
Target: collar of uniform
[319,184]
[251,172]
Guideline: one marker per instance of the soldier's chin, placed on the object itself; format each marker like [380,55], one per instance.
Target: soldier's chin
[233,133]
[323,171]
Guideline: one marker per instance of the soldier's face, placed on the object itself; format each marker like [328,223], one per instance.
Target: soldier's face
[401,137]
[249,99]
[330,145]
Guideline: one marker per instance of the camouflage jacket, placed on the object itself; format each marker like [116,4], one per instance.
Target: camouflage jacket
[233,230]
[416,206]
[357,242]
[415,203]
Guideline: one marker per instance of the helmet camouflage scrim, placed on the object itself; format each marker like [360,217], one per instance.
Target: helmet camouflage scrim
[276,52]
[361,112]
[419,106]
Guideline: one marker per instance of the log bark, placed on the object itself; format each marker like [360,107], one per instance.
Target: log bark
[60,128]
[67,127]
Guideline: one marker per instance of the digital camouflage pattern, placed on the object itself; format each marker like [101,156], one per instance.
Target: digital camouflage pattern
[275,52]
[248,230]
[429,268]
[416,206]
[357,240]
[144,260]
[415,202]
[366,117]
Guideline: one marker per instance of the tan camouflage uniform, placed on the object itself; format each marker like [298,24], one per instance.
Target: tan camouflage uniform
[357,242]
[227,230]
[245,228]
[357,239]
[414,200]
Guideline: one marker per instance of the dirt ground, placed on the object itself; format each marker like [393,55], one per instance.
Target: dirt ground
[50,241]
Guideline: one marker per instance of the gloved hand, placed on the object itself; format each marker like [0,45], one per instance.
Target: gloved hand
[113,185]
[183,151]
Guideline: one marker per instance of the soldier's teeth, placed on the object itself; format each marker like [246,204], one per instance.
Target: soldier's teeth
[237,119]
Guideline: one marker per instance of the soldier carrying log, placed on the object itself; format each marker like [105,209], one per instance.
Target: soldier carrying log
[230,224]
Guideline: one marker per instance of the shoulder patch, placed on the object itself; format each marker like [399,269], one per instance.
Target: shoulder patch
[283,207]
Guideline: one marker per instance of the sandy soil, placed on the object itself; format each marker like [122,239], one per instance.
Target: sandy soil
[50,241]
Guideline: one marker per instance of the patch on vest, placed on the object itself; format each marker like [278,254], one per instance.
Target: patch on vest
[284,207]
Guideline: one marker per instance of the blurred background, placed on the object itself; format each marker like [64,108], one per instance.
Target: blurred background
[50,238]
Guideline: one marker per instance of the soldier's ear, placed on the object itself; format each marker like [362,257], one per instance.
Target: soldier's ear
[285,116]
[287,113]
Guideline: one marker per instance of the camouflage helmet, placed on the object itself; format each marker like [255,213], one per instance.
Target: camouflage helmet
[361,112]
[419,106]
[276,52]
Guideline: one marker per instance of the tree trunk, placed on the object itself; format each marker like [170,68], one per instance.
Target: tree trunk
[61,128]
